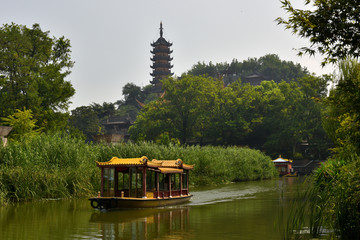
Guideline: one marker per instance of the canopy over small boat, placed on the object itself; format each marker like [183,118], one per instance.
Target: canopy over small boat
[282,160]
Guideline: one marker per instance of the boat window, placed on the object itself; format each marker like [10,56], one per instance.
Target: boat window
[175,182]
[123,180]
[105,179]
[184,179]
[150,181]
[111,179]
[108,181]
[163,182]
[132,182]
[139,181]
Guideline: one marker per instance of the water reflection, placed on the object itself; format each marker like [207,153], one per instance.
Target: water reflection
[143,224]
[51,219]
[248,210]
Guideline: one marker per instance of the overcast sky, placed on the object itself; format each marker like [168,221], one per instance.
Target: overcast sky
[111,39]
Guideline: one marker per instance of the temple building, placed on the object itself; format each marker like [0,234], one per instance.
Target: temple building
[161,61]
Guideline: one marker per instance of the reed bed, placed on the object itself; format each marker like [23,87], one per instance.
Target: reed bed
[59,166]
[330,203]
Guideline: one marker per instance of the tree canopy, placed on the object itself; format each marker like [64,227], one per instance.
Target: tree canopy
[33,71]
[332,27]
[270,66]
[342,118]
[276,117]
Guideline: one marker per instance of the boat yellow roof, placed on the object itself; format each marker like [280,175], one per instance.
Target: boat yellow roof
[187,166]
[143,161]
[171,170]
[124,161]
[172,164]
[168,163]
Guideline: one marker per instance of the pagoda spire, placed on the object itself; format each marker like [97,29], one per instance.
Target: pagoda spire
[161,60]
[161,30]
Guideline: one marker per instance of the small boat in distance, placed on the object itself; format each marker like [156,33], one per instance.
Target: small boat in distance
[284,166]
[140,183]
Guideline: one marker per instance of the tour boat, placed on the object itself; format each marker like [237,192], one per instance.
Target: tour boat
[140,183]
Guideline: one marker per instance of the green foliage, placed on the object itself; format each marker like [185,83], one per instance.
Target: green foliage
[131,92]
[164,139]
[23,125]
[184,112]
[86,120]
[292,115]
[213,165]
[277,116]
[270,66]
[331,26]
[331,201]
[47,166]
[333,30]
[342,116]
[59,166]
[33,68]
[333,198]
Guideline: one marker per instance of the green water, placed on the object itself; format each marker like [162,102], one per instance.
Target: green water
[246,210]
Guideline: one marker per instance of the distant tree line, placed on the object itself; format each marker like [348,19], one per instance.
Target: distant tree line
[270,66]
[281,118]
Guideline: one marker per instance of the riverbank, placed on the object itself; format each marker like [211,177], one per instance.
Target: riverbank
[58,166]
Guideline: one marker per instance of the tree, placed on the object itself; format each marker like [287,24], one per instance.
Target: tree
[86,119]
[332,27]
[235,114]
[131,93]
[103,111]
[273,68]
[289,114]
[203,69]
[33,68]
[23,124]
[270,66]
[184,112]
[342,119]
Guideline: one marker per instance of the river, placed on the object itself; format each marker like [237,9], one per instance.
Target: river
[245,210]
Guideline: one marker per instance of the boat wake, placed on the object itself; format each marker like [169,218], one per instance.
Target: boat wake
[225,194]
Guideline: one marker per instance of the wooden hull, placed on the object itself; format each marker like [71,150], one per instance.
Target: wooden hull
[118,202]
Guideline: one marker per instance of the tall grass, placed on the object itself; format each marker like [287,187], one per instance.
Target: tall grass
[213,165]
[330,204]
[58,166]
[48,166]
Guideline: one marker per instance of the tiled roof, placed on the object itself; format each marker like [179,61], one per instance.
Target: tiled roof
[171,170]
[143,161]
[187,166]
[169,163]
[124,161]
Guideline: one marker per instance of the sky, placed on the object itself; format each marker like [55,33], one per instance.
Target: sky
[110,39]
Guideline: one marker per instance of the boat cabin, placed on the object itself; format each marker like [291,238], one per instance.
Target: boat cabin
[141,178]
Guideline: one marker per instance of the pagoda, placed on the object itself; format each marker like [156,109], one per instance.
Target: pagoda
[161,60]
